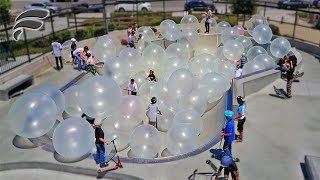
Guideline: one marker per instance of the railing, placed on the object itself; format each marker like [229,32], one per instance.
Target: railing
[69,23]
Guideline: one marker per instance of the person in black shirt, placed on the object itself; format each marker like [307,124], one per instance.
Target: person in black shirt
[100,141]
[151,76]
[291,67]
[229,166]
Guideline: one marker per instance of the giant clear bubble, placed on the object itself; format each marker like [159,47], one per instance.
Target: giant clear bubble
[246,42]
[73,138]
[227,68]
[73,107]
[165,120]
[255,21]
[133,57]
[145,141]
[255,51]
[99,96]
[213,85]
[280,47]
[182,138]
[212,23]
[187,45]
[177,50]
[233,50]
[239,29]
[56,95]
[180,83]
[173,31]
[191,35]
[105,48]
[32,115]
[189,116]
[189,22]
[148,31]
[164,25]
[222,26]
[170,65]
[266,60]
[119,69]
[196,100]
[153,56]
[262,34]
[140,78]
[203,64]
[131,107]
[252,66]
[229,34]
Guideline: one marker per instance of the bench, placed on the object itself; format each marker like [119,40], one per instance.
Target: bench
[312,164]
[15,85]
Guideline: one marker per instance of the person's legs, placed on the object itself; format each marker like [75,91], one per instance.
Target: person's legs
[207,27]
[227,148]
[102,158]
[97,157]
[61,64]
[152,123]
[57,63]
[79,61]
[133,93]
[240,129]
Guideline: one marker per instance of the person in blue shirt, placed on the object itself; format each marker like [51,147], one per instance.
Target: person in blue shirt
[241,118]
[228,133]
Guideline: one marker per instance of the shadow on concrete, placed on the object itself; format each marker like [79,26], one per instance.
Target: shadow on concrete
[304,171]
[22,143]
[62,159]
[131,155]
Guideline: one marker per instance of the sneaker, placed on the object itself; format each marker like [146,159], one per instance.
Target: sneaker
[239,140]
[237,136]
[104,165]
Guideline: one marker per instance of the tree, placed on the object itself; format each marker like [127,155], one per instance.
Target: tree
[244,6]
[5,6]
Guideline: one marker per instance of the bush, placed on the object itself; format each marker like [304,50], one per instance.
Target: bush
[275,29]
[231,20]
[81,34]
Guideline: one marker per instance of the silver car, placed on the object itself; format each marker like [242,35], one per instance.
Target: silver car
[43,5]
[123,6]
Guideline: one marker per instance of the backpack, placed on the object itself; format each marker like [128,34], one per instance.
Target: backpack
[294,60]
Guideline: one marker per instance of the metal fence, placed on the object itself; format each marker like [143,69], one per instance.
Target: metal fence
[297,24]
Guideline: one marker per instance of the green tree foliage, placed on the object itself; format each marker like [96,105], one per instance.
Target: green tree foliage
[244,6]
[5,6]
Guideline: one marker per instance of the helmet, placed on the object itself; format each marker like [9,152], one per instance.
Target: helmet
[240,99]
[153,100]
[86,48]
[226,160]
[229,114]
[73,40]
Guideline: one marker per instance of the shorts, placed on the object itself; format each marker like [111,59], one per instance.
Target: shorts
[133,93]
[240,124]
[233,173]
[131,45]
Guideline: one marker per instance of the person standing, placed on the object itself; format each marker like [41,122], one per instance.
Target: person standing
[152,111]
[290,72]
[241,118]
[100,157]
[56,51]
[80,54]
[230,167]
[132,86]
[73,48]
[228,132]
[208,15]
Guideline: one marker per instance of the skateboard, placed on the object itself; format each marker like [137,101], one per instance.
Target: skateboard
[279,93]
[195,173]
[219,153]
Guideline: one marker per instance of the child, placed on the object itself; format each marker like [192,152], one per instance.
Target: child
[228,132]
[79,54]
[73,48]
[151,76]
[229,166]
[131,40]
[152,112]
[241,118]
[90,64]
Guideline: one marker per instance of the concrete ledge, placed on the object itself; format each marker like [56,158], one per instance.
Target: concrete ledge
[22,81]
[313,167]
[63,168]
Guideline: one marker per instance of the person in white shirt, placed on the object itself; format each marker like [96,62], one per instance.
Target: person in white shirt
[152,111]
[132,86]
[238,72]
[56,51]
[208,15]
[79,54]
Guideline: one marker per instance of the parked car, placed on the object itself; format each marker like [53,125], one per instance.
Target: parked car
[123,6]
[85,7]
[293,4]
[316,3]
[197,5]
[43,5]
[63,0]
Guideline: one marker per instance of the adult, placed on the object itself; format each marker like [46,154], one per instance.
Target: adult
[151,76]
[230,167]
[100,157]
[239,71]
[132,86]
[228,132]
[208,16]
[56,51]
[80,54]
[152,111]
[73,48]
[241,118]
